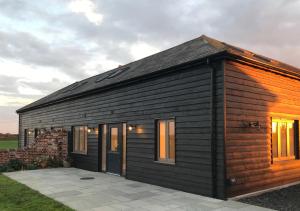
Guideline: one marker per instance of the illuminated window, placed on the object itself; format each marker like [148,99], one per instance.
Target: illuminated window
[114,139]
[80,139]
[283,143]
[28,137]
[166,141]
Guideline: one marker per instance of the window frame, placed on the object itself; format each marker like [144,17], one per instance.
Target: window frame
[25,144]
[167,160]
[288,144]
[86,140]
[28,136]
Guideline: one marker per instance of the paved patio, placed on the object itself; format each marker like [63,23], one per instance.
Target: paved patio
[109,192]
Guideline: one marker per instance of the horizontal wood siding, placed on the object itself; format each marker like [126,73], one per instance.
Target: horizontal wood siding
[184,95]
[257,95]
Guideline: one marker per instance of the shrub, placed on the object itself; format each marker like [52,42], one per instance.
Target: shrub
[3,168]
[54,162]
[15,165]
[31,166]
[41,162]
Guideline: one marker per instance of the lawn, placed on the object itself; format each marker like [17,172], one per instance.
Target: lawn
[8,143]
[15,196]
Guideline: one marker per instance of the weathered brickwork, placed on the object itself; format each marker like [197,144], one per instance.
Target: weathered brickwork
[52,143]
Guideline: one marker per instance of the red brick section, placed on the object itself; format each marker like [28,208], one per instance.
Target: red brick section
[52,143]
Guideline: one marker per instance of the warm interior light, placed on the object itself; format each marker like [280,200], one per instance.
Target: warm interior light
[29,132]
[274,127]
[89,130]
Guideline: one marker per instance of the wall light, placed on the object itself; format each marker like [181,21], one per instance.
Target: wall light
[131,127]
[93,130]
[29,132]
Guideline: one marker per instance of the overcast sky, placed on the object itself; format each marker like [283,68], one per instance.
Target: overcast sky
[48,44]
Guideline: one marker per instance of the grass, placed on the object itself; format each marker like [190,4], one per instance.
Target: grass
[8,143]
[18,197]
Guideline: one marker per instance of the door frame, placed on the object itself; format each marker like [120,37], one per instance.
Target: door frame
[119,151]
[100,146]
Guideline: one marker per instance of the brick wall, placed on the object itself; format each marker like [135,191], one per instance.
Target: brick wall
[52,143]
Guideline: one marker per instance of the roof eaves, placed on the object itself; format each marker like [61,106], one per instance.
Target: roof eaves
[265,64]
[217,55]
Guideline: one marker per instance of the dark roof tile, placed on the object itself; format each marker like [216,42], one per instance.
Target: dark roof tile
[195,49]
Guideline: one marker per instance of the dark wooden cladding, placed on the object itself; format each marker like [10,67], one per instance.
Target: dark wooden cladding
[184,95]
[253,94]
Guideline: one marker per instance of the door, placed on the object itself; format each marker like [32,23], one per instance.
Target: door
[114,148]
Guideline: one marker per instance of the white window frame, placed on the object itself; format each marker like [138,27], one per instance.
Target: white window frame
[279,157]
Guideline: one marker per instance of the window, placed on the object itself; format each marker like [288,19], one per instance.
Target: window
[166,141]
[283,143]
[28,137]
[104,134]
[25,137]
[80,139]
[114,139]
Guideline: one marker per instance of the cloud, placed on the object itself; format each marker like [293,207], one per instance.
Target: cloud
[87,8]
[8,120]
[28,49]
[45,45]
[13,101]
[141,49]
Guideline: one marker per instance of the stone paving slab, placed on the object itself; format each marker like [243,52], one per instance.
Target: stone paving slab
[110,193]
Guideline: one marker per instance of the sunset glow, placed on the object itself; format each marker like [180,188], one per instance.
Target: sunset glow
[46,45]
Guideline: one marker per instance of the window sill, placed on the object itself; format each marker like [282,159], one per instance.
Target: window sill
[79,153]
[169,163]
[285,164]
[291,158]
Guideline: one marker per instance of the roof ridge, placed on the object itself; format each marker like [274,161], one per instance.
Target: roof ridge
[193,50]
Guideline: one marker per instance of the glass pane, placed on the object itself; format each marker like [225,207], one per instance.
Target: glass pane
[77,139]
[274,140]
[283,138]
[124,149]
[172,139]
[162,139]
[114,139]
[104,147]
[81,140]
[291,138]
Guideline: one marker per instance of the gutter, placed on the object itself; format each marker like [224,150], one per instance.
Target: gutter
[268,67]
[213,128]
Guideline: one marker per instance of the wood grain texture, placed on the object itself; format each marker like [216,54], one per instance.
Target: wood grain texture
[257,95]
[183,95]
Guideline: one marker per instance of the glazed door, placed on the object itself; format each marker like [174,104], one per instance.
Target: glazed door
[114,148]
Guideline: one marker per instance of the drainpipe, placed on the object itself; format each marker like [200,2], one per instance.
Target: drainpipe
[213,128]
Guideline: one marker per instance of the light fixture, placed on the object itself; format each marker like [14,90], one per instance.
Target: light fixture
[29,132]
[89,130]
[131,127]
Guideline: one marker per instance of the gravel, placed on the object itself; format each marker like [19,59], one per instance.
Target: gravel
[282,199]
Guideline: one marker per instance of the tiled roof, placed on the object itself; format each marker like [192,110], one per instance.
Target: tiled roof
[195,49]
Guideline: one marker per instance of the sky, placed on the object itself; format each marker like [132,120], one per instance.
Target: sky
[48,44]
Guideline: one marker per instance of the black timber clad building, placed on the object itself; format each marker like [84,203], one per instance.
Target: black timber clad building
[158,120]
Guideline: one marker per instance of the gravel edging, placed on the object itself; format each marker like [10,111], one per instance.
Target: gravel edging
[283,199]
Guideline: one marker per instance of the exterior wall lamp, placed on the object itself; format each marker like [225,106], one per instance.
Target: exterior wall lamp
[131,127]
[93,130]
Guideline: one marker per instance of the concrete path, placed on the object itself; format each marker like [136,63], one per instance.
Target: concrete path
[109,192]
